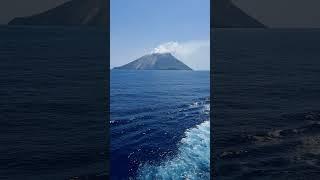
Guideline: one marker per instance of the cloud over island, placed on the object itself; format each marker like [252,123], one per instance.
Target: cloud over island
[194,53]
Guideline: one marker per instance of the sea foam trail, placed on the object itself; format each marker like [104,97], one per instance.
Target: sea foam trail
[191,162]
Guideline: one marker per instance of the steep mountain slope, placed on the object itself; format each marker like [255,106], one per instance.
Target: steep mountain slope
[226,15]
[74,12]
[156,61]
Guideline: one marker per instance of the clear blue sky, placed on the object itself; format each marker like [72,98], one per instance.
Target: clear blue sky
[138,26]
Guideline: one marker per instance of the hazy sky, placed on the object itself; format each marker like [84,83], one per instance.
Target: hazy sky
[145,26]
[10,9]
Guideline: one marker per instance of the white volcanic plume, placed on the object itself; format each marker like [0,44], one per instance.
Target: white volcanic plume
[195,53]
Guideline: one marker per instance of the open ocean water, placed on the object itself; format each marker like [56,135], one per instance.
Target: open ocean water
[266,121]
[160,125]
[53,103]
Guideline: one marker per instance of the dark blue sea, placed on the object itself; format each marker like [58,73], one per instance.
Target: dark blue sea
[53,120]
[160,126]
[266,122]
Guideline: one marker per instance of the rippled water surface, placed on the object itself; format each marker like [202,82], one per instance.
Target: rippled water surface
[160,124]
[52,103]
[267,94]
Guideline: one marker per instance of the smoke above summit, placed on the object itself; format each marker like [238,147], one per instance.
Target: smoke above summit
[169,47]
[185,48]
[196,53]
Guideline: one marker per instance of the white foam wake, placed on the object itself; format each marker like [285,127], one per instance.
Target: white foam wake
[191,162]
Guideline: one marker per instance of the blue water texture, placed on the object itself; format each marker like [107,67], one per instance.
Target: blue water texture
[52,103]
[160,124]
[266,104]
